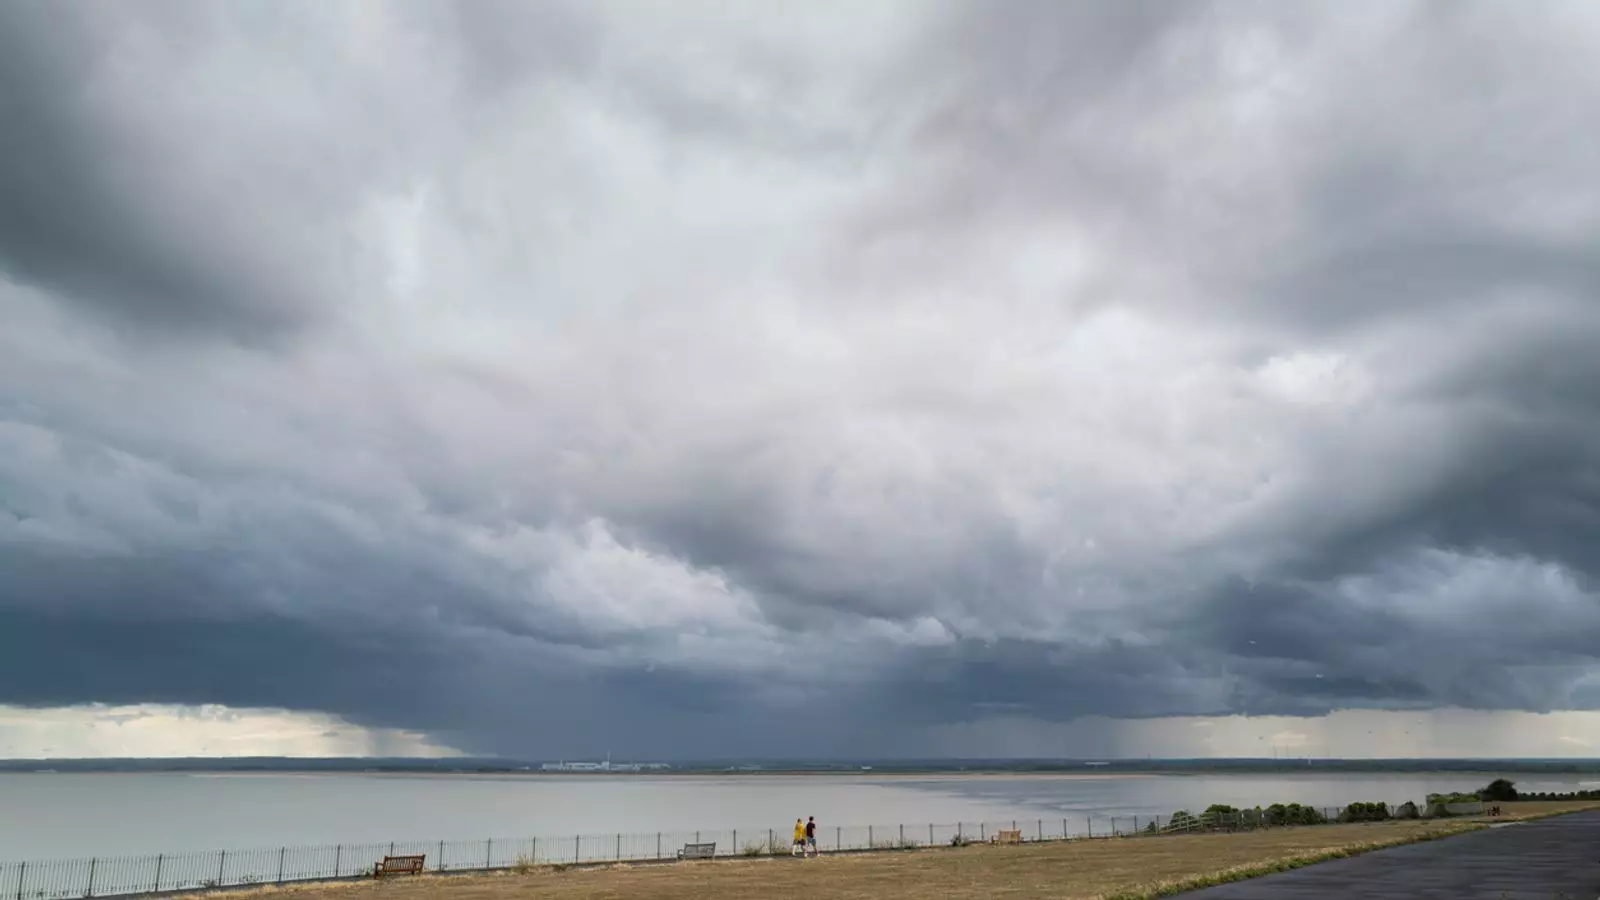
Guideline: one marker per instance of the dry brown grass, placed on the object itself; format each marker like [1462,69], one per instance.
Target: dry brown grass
[1081,869]
[1538,809]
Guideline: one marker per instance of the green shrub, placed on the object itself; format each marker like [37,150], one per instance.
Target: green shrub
[1183,820]
[1219,815]
[1364,812]
[1293,814]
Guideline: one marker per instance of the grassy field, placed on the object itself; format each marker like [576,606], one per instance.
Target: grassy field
[1126,867]
[1080,869]
[1521,811]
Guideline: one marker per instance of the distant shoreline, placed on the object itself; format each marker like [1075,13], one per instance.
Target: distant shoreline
[881,769]
[887,775]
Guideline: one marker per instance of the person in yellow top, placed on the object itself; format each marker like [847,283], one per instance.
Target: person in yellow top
[799,847]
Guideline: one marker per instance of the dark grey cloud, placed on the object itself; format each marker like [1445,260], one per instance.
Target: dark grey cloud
[181,168]
[550,380]
[98,204]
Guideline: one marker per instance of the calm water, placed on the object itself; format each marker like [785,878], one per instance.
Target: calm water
[70,815]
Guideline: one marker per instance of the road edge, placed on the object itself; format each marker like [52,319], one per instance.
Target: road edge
[1284,864]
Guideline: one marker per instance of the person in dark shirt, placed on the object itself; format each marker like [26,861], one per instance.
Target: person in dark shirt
[811,835]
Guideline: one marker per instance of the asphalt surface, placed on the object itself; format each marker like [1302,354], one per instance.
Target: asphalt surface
[1547,859]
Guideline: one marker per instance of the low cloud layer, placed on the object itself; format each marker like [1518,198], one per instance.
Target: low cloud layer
[560,378]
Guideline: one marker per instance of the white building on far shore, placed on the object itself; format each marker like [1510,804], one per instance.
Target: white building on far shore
[605,765]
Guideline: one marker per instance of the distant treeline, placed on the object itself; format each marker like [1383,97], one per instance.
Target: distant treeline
[1220,816]
[1572,795]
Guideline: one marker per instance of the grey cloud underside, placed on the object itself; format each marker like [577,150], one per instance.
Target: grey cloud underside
[730,412]
[92,204]
[174,206]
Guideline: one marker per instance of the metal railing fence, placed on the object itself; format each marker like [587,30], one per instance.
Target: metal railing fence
[107,876]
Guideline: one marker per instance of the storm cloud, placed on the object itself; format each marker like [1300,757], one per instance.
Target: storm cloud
[713,380]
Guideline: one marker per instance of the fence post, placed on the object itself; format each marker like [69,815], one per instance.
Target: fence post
[281,851]
[902,835]
[577,848]
[930,834]
[441,856]
[391,848]
[619,846]
[533,849]
[735,848]
[1113,826]
[981,835]
[658,845]
[90,891]
[488,854]
[338,857]
[222,859]
[770,848]
[1136,825]
[21,870]
[869,837]
[1041,830]
[159,858]
[838,839]
[958,829]
[1091,825]
[1064,829]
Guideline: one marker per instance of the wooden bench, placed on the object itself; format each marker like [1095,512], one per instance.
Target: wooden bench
[1005,836]
[697,851]
[398,865]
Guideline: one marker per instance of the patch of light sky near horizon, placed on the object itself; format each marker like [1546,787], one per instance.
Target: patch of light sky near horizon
[1345,734]
[1376,734]
[160,730]
[157,730]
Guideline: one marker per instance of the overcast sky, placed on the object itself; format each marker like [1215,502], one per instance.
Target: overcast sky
[687,379]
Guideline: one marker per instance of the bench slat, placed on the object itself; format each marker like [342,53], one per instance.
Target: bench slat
[399,865]
[698,851]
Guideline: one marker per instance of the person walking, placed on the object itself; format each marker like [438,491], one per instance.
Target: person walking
[811,835]
[799,848]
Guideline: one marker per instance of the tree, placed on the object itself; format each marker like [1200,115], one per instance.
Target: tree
[1499,790]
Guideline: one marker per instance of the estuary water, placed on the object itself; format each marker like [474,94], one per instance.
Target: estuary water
[50,815]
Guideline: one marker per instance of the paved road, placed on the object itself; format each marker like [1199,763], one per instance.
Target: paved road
[1543,860]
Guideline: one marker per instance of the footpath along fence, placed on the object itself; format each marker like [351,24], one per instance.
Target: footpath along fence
[108,876]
